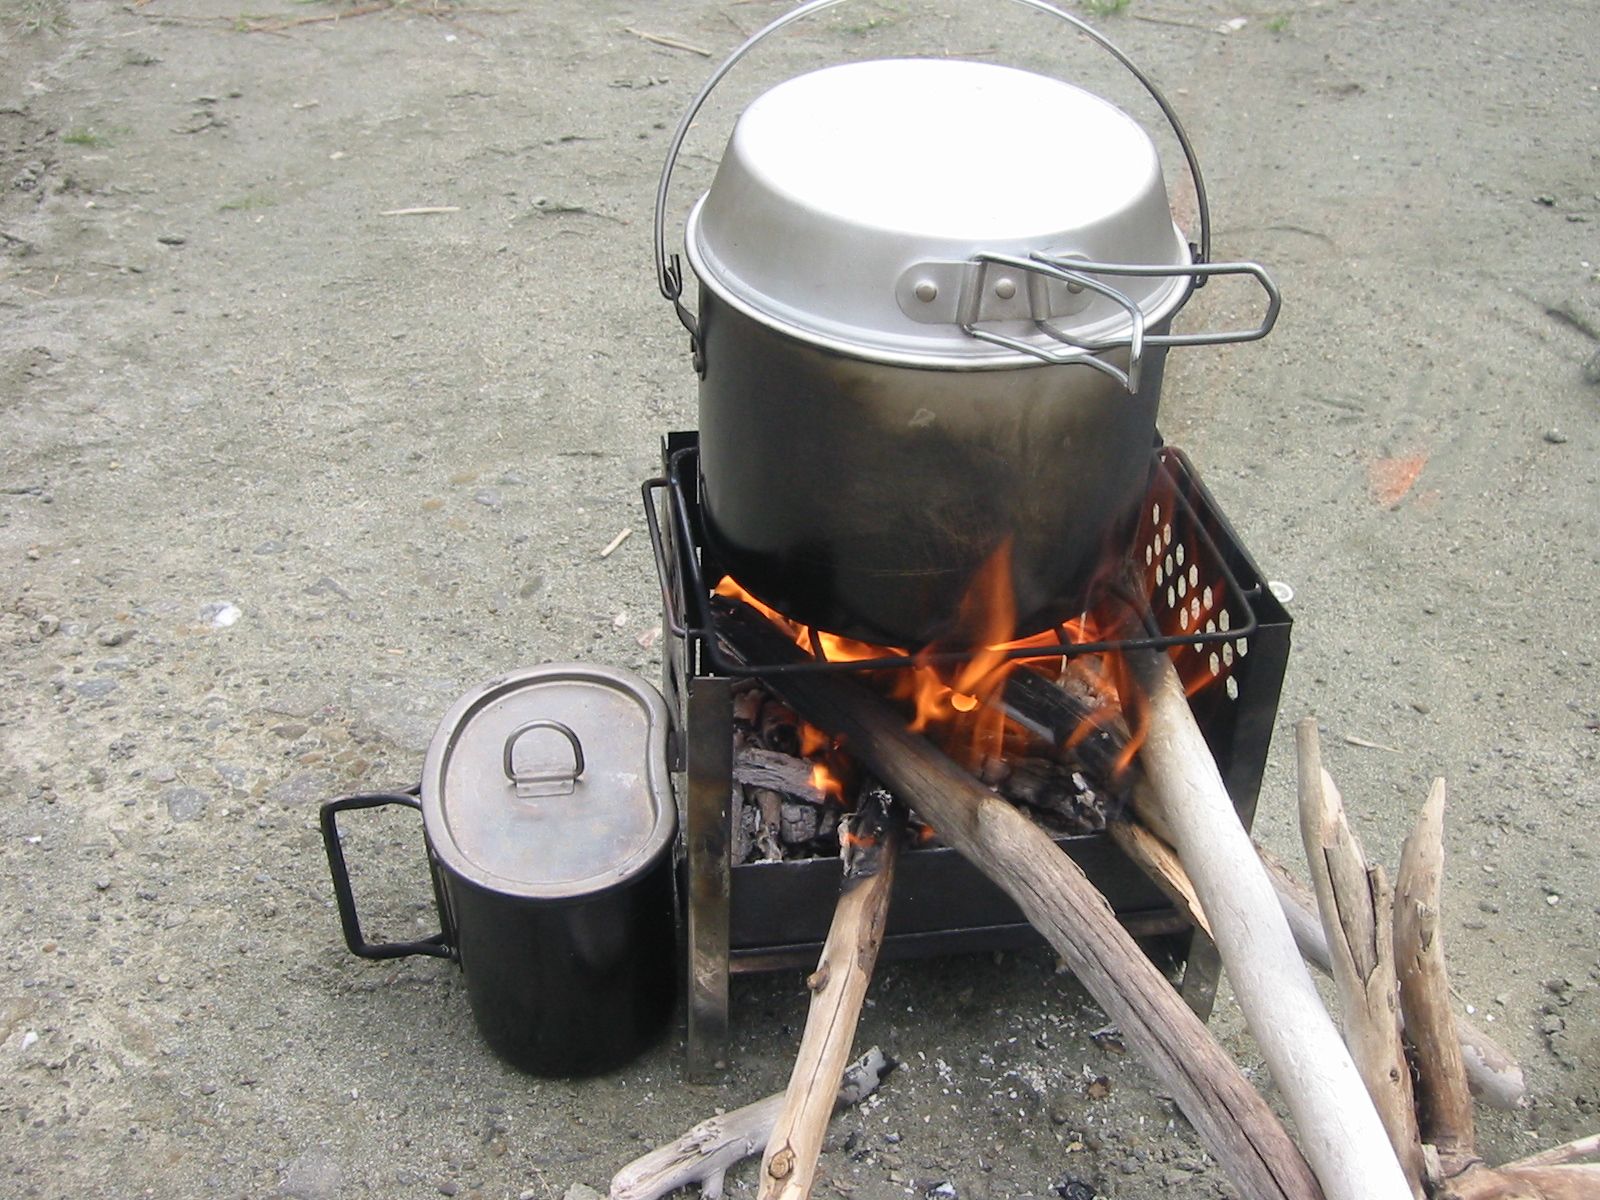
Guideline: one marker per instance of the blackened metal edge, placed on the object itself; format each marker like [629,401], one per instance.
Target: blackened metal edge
[1239,733]
[694,616]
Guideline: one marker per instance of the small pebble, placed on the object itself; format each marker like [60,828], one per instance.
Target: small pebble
[49,624]
[171,239]
[115,635]
[489,498]
[185,803]
[1555,437]
[220,614]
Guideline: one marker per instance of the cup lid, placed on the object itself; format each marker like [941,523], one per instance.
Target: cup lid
[551,783]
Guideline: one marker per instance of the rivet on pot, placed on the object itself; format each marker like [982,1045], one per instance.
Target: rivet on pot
[1006,289]
[927,291]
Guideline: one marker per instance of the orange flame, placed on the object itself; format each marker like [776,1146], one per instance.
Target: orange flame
[960,706]
[826,782]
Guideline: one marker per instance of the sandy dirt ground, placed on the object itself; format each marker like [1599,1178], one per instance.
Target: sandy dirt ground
[281,476]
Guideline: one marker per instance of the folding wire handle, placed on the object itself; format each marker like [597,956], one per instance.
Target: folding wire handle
[669,271]
[1076,273]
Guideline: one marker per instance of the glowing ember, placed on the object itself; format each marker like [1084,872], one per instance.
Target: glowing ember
[826,782]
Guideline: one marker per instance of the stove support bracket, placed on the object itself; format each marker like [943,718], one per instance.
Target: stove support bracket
[707,828]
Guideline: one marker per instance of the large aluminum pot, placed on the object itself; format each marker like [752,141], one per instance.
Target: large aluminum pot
[935,301]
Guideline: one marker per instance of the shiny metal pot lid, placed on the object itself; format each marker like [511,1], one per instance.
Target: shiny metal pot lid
[852,202]
[551,783]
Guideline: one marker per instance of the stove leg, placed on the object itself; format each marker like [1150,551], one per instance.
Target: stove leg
[1202,972]
[709,746]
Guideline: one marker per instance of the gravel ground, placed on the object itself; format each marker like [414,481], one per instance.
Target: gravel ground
[281,476]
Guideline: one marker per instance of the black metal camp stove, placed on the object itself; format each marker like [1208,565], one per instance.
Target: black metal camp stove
[1207,602]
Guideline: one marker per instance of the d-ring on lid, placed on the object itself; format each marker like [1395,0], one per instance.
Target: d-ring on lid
[551,783]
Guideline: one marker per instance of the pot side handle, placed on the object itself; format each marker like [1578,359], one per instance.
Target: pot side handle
[669,271]
[436,945]
[1077,272]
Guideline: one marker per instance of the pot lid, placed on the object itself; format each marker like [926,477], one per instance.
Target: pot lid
[550,783]
[851,202]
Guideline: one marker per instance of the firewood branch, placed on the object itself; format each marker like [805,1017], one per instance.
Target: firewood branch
[1443,1102]
[1493,1075]
[1057,713]
[1340,1131]
[703,1154]
[838,988]
[1237,1125]
[1357,919]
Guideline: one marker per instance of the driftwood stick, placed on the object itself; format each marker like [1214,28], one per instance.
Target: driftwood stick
[1339,1130]
[1493,1075]
[1357,916]
[838,987]
[704,1153]
[1584,1147]
[1443,1103]
[1481,1182]
[1238,1127]
[1159,862]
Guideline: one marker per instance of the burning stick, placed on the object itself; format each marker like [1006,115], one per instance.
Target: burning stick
[838,987]
[702,1155]
[1494,1075]
[1340,1131]
[1241,1131]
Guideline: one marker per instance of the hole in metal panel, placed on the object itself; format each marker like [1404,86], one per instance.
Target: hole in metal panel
[1244,647]
[1224,621]
[1216,665]
[1232,688]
